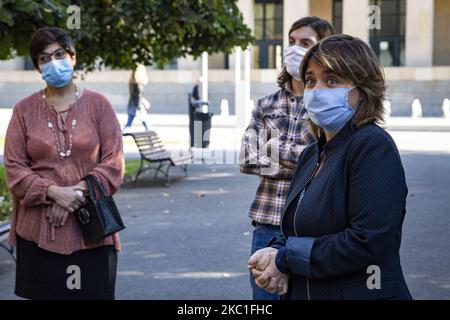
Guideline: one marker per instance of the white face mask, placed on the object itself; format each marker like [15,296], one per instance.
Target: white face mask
[293,56]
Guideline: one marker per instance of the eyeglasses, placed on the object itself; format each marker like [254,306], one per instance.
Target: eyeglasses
[58,54]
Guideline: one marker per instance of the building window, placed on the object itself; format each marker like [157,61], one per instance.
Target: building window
[268,31]
[337,16]
[388,42]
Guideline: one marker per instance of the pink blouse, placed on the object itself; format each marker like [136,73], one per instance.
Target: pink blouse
[33,164]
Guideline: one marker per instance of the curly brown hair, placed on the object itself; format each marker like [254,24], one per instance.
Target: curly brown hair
[352,59]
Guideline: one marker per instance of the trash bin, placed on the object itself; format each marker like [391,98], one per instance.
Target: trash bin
[203,120]
[197,119]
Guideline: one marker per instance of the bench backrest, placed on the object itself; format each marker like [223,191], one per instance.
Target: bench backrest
[149,144]
[5,227]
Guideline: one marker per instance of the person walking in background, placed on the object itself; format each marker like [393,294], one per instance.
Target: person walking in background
[55,138]
[196,90]
[341,226]
[196,94]
[137,104]
[281,115]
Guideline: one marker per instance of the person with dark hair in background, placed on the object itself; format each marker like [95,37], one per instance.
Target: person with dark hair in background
[281,116]
[196,90]
[55,138]
[200,104]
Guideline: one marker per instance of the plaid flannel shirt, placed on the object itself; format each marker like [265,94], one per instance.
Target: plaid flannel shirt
[278,122]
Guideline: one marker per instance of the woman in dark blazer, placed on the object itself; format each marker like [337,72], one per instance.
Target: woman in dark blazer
[342,222]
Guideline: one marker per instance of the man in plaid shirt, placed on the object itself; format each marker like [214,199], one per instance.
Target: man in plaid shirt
[275,138]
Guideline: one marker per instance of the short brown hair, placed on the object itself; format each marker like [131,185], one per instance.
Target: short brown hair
[323,29]
[352,59]
[44,37]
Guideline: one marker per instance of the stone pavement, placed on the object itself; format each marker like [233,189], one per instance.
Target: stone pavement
[192,240]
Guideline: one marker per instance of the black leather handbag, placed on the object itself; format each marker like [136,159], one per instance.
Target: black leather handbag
[98,218]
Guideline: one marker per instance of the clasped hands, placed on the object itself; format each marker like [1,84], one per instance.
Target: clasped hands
[65,201]
[267,276]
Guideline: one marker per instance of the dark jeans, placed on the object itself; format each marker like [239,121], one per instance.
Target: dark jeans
[262,234]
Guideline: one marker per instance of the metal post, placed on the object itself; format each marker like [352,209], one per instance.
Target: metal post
[247,69]
[205,76]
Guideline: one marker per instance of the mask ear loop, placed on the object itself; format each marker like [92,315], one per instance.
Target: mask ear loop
[346,99]
[358,104]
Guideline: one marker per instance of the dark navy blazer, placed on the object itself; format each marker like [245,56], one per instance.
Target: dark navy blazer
[349,220]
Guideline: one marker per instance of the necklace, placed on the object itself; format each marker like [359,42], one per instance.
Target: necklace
[63,154]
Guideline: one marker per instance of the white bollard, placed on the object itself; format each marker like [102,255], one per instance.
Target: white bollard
[446,108]
[224,108]
[416,109]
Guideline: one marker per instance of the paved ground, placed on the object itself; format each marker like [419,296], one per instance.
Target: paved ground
[191,241]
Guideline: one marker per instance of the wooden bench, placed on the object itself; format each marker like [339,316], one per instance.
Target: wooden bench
[153,152]
[4,233]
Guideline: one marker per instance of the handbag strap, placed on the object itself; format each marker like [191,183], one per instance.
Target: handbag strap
[92,183]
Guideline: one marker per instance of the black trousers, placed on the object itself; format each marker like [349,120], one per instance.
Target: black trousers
[86,275]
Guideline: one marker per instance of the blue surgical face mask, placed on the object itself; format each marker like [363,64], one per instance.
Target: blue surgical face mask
[328,108]
[57,73]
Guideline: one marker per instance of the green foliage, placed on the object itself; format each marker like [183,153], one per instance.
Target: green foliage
[131,166]
[5,197]
[20,18]
[123,33]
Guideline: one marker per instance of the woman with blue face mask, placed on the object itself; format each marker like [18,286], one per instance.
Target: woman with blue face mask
[56,137]
[342,221]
